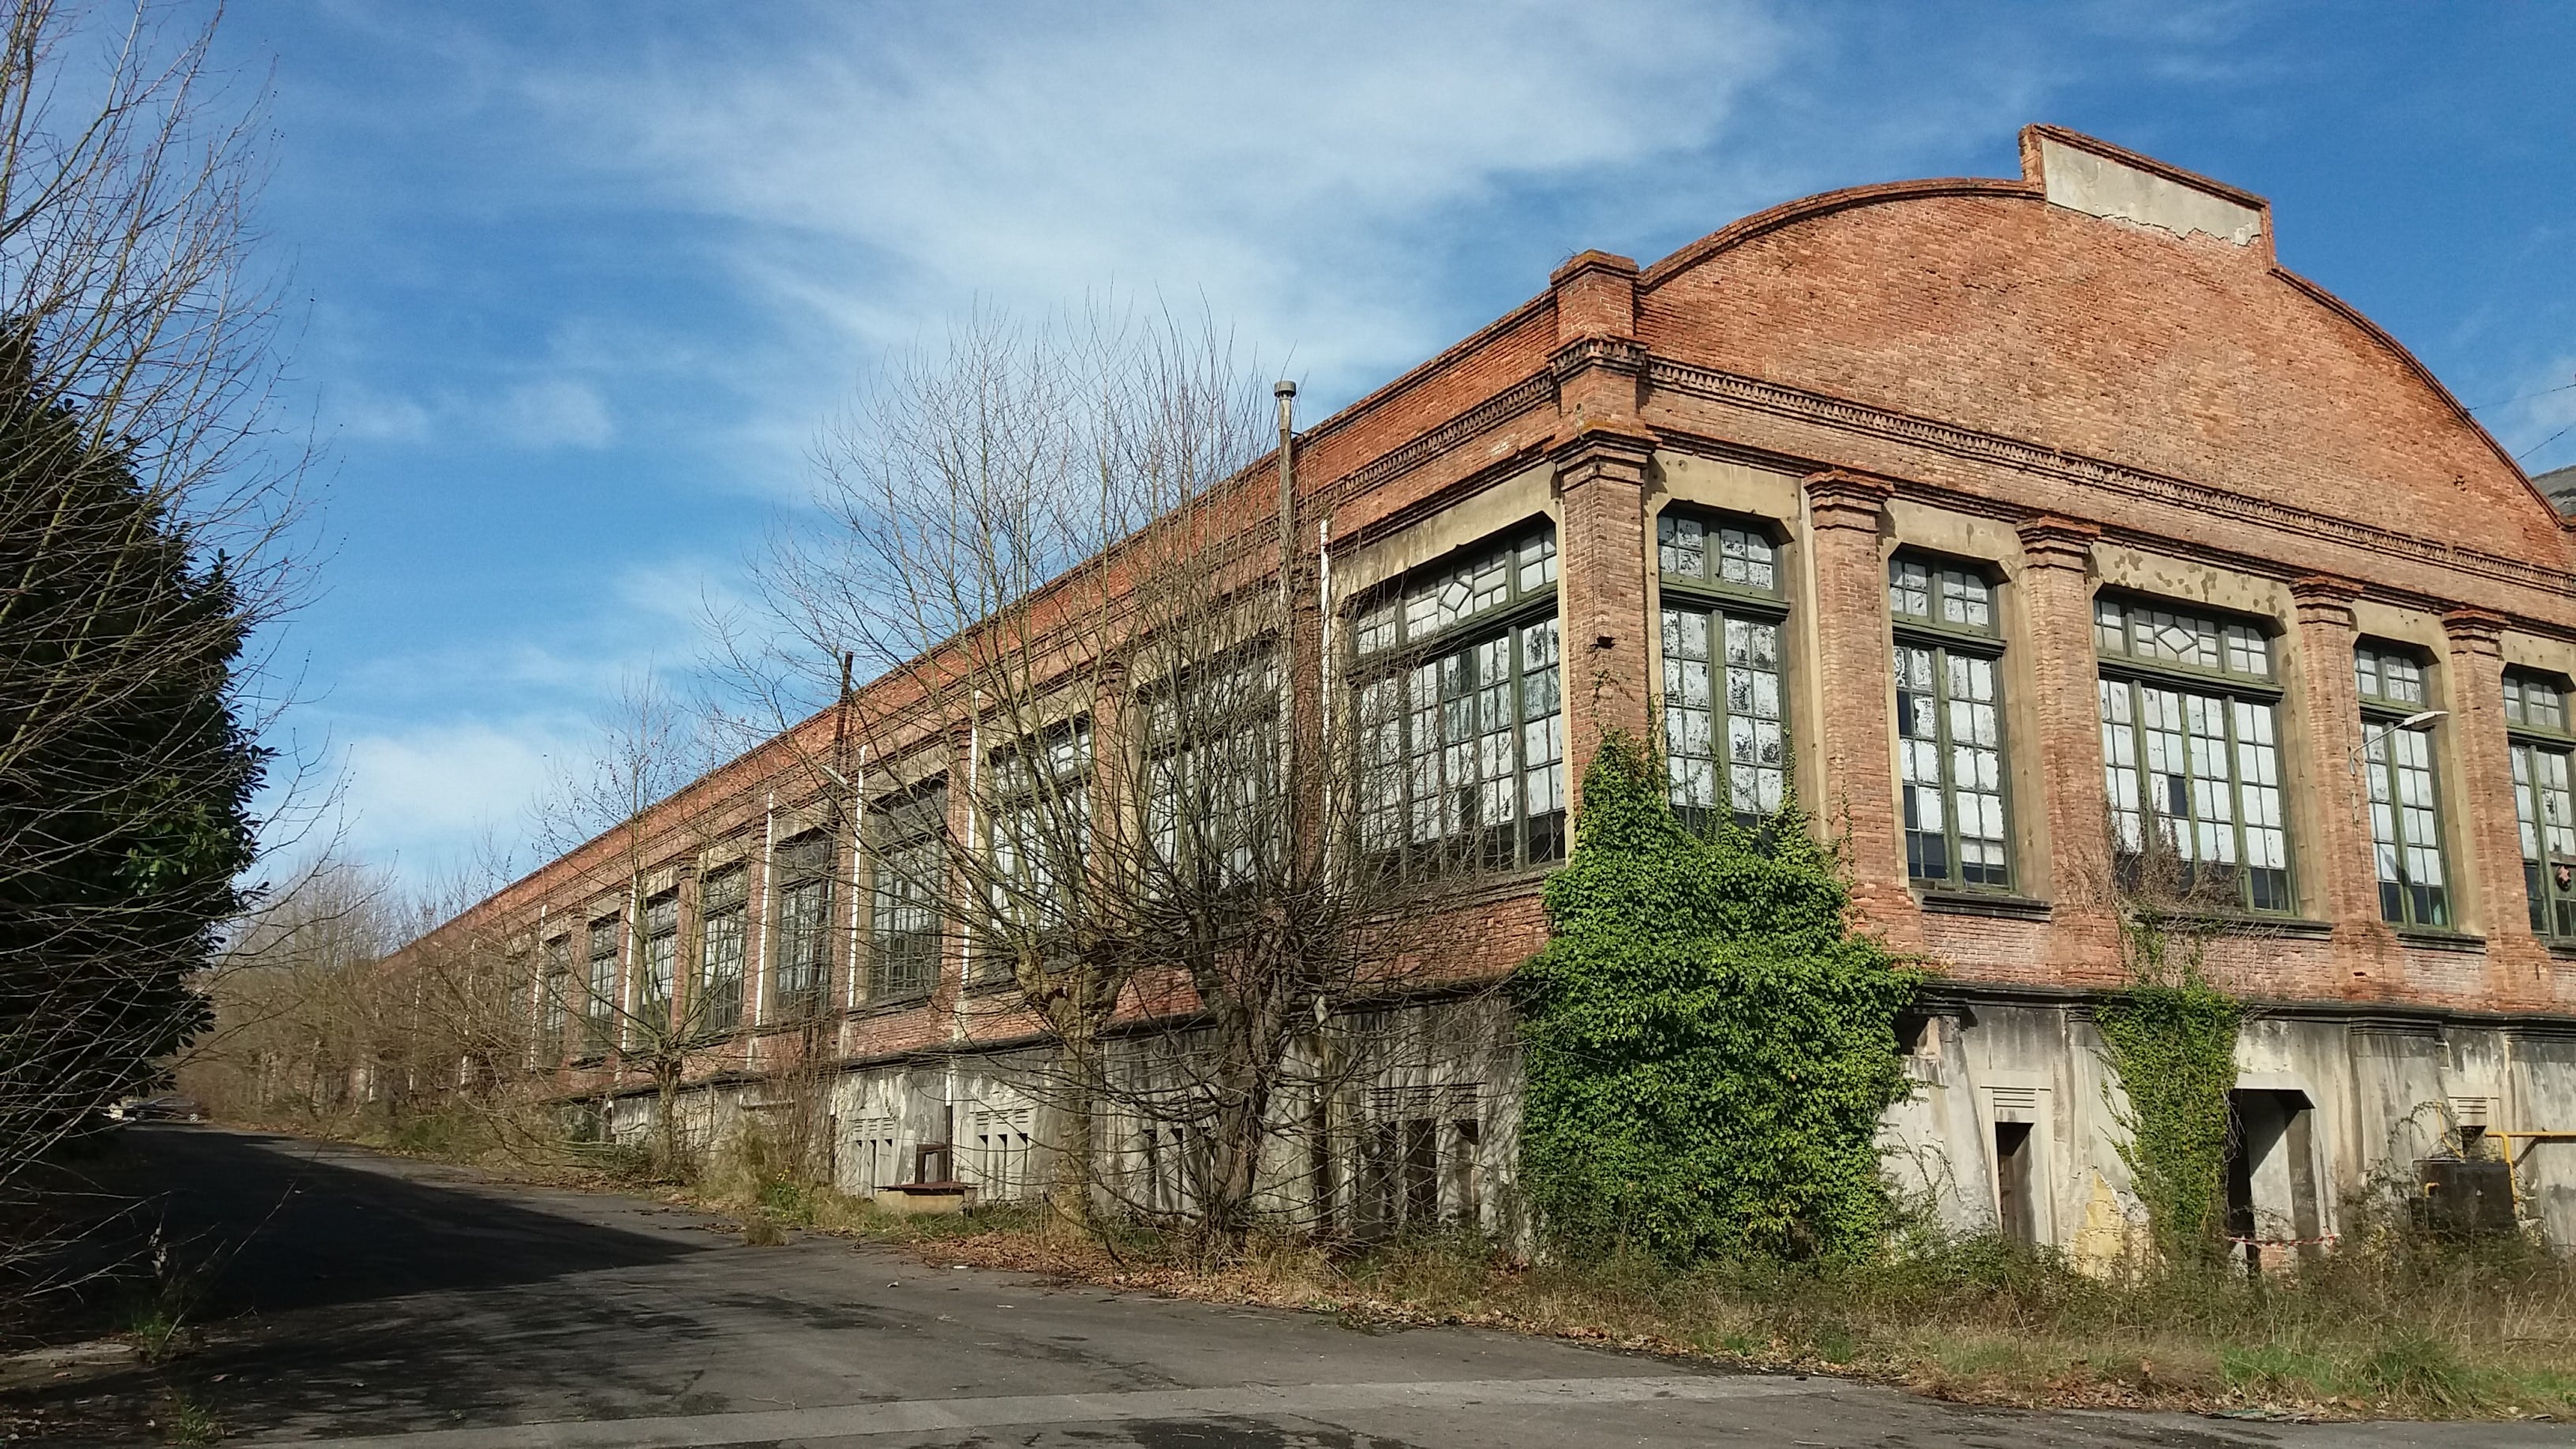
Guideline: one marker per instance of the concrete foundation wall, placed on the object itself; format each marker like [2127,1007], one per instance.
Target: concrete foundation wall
[1411,1114]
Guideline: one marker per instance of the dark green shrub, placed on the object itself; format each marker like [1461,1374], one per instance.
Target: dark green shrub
[1709,1047]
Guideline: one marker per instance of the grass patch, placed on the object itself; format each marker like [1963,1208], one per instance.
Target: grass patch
[2401,1327]
[184,1421]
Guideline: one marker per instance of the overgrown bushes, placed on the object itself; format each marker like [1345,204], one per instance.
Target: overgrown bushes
[1708,1047]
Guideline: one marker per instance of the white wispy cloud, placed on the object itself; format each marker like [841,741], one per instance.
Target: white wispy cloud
[364,414]
[555,412]
[419,794]
[1296,168]
[538,414]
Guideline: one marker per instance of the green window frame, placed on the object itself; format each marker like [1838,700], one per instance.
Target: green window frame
[2191,750]
[723,938]
[2544,797]
[908,866]
[804,962]
[1724,708]
[2399,779]
[1037,836]
[661,953]
[554,1011]
[1460,712]
[1949,725]
[1212,751]
[599,997]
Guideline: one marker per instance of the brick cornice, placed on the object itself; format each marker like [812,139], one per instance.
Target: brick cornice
[1842,414]
[1536,390]
[1602,447]
[1846,500]
[1615,354]
[2473,631]
[2051,542]
[2325,599]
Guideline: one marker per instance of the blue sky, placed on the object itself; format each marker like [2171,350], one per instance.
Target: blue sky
[579,282]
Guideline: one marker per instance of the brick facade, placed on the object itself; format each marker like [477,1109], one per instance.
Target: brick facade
[2073,396]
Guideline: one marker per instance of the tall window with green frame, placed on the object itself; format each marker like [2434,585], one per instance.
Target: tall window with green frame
[2405,810]
[599,999]
[716,1000]
[2190,749]
[2544,801]
[907,909]
[661,956]
[554,1009]
[1458,714]
[804,871]
[1949,724]
[1726,733]
[1212,749]
[1038,841]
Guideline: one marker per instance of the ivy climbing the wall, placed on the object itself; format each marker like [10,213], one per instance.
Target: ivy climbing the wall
[1708,1046]
[2170,1038]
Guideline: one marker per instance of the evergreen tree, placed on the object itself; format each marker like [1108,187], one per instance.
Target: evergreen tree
[125,776]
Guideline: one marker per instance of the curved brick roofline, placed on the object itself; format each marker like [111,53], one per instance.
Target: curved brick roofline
[1822,204]
[2030,188]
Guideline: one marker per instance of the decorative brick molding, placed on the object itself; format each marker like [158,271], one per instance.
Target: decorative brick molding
[2325,599]
[1534,391]
[2110,477]
[2051,542]
[2473,631]
[1615,354]
[1846,500]
[1599,452]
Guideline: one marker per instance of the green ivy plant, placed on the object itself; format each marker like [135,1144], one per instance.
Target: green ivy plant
[1708,1045]
[2169,1036]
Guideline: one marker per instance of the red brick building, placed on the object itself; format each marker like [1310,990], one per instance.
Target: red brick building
[2009,519]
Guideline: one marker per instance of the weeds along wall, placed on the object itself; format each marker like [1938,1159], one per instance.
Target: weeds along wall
[1709,1048]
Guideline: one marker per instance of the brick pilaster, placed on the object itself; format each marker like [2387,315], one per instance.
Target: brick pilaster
[2486,842]
[1601,456]
[2336,880]
[964,778]
[1601,569]
[2066,821]
[1856,799]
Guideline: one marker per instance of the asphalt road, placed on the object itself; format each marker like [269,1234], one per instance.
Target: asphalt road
[363,1300]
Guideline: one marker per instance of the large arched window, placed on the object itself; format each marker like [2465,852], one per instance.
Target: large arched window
[2190,749]
[1460,725]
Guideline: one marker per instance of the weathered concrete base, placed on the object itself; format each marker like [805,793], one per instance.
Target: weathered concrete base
[2013,1122]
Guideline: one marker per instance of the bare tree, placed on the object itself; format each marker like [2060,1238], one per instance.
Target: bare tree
[1091,615]
[297,1032]
[145,516]
[634,1002]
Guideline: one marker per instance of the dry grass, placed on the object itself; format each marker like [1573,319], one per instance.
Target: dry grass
[2398,1326]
